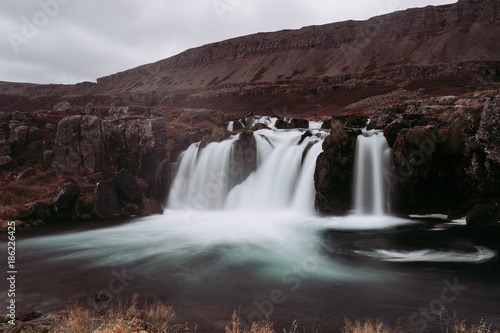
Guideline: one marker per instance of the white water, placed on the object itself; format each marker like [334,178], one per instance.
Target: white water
[269,122]
[482,254]
[373,158]
[283,179]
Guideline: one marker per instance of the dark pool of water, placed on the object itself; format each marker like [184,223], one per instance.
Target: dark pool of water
[282,264]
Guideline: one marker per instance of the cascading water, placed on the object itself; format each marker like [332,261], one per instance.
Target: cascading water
[373,158]
[237,232]
[283,177]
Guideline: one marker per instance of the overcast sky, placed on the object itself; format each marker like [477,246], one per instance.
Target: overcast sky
[70,41]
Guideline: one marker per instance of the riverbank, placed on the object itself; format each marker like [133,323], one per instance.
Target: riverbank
[128,317]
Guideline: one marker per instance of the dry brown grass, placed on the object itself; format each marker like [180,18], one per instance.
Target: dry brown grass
[366,327]
[125,317]
[35,188]
[16,196]
[463,326]
[234,326]
[446,326]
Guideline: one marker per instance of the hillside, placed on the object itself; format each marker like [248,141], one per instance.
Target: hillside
[317,69]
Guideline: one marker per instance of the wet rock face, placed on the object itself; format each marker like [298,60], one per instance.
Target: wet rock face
[333,177]
[245,157]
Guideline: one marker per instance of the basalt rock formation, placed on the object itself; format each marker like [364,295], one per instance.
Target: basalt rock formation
[109,162]
[315,69]
[446,159]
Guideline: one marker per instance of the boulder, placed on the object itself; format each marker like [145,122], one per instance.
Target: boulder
[33,134]
[304,136]
[126,185]
[327,124]
[50,126]
[281,124]
[19,137]
[48,158]
[237,125]
[22,117]
[41,211]
[65,198]
[380,120]
[130,209]
[392,130]
[333,176]
[483,214]
[347,120]
[35,149]
[299,123]
[62,106]
[5,161]
[105,201]
[447,100]
[4,148]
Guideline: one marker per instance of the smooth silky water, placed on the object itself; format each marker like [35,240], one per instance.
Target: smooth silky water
[259,247]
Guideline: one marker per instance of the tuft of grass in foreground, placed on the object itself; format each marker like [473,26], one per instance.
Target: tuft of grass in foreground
[367,327]
[263,327]
[126,317]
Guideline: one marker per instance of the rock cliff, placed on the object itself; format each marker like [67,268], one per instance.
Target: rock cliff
[313,69]
[446,159]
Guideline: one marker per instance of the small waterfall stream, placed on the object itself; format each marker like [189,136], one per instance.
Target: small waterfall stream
[372,160]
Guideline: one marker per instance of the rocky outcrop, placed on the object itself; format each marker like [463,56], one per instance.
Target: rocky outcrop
[427,160]
[446,160]
[131,152]
[79,144]
[333,177]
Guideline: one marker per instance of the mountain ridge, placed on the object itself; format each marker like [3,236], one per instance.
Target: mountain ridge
[319,68]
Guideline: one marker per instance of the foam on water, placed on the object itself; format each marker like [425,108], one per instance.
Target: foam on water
[482,254]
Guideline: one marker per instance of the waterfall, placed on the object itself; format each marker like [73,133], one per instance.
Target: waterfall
[283,179]
[373,158]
